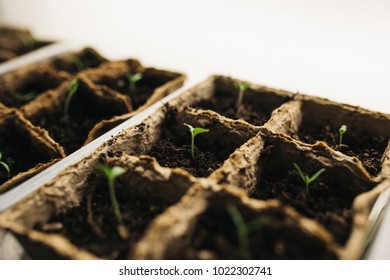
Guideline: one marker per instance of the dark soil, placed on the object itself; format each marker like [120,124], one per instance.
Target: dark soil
[279,238]
[18,153]
[225,104]
[101,236]
[71,133]
[331,207]
[174,151]
[71,64]
[367,148]
[139,95]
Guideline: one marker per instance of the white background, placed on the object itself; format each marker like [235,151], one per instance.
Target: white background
[338,49]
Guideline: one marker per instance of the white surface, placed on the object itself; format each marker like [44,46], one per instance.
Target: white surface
[337,49]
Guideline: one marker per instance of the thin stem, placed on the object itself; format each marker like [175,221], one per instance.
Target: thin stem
[239,99]
[341,139]
[307,186]
[193,145]
[114,201]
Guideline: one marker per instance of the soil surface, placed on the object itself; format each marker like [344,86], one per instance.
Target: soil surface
[367,148]
[278,238]
[99,233]
[18,153]
[75,64]
[174,151]
[139,95]
[331,207]
[72,132]
[225,104]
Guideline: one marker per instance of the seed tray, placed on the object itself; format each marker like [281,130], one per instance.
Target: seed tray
[243,168]
[40,91]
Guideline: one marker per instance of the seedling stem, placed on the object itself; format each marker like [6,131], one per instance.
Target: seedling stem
[73,86]
[342,130]
[194,131]
[244,229]
[133,79]
[242,87]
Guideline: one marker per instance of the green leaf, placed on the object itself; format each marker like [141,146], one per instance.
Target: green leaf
[190,127]
[242,87]
[134,78]
[5,166]
[343,129]
[303,177]
[24,97]
[315,176]
[77,62]
[111,173]
[198,130]
[73,87]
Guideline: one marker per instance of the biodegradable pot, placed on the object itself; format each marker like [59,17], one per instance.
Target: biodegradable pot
[76,62]
[89,105]
[154,85]
[242,163]
[19,41]
[202,226]
[77,221]
[21,86]
[6,55]
[26,149]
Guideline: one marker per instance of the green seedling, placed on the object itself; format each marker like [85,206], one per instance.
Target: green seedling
[133,79]
[73,86]
[306,179]
[6,167]
[342,130]
[30,42]
[242,87]
[21,97]
[243,229]
[80,65]
[195,131]
[111,174]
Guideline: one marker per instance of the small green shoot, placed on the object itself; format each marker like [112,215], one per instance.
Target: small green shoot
[195,131]
[242,87]
[342,130]
[80,65]
[2,163]
[133,79]
[243,229]
[73,86]
[30,42]
[21,97]
[111,174]
[306,179]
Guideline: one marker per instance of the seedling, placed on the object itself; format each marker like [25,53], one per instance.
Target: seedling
[133,79]
[21,97]
[73,86]
[30,42]
[111,174]
[80,65]
[195,131]
[242,87]
[243,229]
[6,167]
[306,179]
[342,130]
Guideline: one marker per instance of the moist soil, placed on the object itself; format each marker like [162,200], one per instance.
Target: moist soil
[98,234]
[70,64]
[331,207]
[18,153]
[367,148]
[174,151]
[72,132]
[225,104]
[279,238]
[139,95]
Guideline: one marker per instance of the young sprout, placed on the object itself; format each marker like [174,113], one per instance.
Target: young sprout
[242,87]
[111,174]
[342,130]
[80,65]
[133,79]
[195,131]
[30,42]
[244,229]
[6,167]
[73,86]
[24,97]
[306,179]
